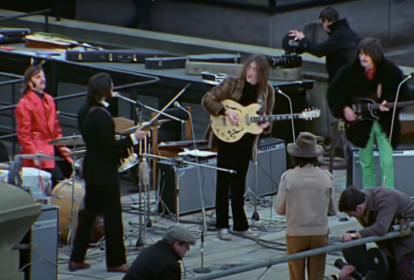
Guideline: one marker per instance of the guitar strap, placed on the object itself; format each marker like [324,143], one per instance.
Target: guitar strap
[379,90]
[260,102]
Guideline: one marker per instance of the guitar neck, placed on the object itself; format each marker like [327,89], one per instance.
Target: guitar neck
[275,117]
[376,106]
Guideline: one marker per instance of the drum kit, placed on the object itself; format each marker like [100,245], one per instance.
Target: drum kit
[68,194]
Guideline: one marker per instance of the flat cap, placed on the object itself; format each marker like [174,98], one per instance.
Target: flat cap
[181,235]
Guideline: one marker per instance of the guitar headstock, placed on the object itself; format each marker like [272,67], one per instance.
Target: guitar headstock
[310,114]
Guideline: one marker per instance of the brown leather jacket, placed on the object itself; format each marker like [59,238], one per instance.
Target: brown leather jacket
[232,88]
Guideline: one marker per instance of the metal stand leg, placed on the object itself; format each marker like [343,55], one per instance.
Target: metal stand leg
[255,216]
[177,196]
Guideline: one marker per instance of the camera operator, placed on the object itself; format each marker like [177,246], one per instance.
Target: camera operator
[340,46]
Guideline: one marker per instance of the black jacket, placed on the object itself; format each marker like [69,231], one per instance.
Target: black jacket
[339,49]
[157,262]
[100,165]
[352,83]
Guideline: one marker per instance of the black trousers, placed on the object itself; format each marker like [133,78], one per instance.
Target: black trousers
[105,201]
[402,270]
[61,171]
[235,156]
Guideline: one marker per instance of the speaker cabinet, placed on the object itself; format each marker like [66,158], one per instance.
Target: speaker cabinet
[179,182]
[403,158]
[271,163]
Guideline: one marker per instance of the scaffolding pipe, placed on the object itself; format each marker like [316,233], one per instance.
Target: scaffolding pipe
[322,250]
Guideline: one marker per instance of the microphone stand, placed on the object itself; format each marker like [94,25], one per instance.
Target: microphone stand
[143,165]
[141,105]
[384,179]
[291,112]
[202,269]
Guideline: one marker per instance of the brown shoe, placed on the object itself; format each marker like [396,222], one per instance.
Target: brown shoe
[73,266]
[122,269]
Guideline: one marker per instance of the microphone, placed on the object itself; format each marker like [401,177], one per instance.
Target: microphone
[340,264]
[117,95]
[143,166]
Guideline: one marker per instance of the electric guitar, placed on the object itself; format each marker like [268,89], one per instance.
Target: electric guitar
[249,120]
[367,109]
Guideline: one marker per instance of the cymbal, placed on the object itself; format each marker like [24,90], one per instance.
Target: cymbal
[78,153]
[74,140]
[40,157]
[4,166]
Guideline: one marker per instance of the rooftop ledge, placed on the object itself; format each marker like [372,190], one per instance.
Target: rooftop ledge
[122,37]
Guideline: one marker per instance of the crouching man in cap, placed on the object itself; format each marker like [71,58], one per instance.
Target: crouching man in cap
[160,261]
[306,196]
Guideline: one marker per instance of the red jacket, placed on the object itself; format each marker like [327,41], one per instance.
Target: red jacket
[37,124]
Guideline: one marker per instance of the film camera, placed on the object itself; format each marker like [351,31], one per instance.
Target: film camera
[290,58]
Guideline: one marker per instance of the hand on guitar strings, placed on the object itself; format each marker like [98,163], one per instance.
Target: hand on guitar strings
[264,124]
[234,118]
[349,114]
[382,106]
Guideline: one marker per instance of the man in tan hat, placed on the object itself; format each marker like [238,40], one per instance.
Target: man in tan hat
[160,261]
[306,196]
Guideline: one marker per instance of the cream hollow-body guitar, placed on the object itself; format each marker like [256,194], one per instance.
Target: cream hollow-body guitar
[249,120]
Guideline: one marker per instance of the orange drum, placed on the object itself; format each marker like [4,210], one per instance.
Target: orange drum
[62,197]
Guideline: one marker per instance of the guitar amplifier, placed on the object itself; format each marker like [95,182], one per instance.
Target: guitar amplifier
[403,158]
[271,164]
[39,261]
[188,188]
[270,167]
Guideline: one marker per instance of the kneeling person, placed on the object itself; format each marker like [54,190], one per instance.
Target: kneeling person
[160,261]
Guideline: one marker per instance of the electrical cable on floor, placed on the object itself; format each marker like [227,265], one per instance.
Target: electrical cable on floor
[81,275]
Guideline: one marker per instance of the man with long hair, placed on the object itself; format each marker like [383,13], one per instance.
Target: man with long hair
[250,87]
[369,75]
[37,123]
[306,196]
[100,172]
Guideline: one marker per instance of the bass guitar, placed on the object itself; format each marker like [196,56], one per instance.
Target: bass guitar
[367,108]
[249,120]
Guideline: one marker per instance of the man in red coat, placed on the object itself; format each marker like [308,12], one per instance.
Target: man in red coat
[37,124]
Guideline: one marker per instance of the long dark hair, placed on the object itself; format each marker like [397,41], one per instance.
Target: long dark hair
[371,47]
[27,77]
[99,87]
[302,161]
[262,67]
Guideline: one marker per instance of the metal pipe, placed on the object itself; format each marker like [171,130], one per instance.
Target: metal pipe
[10,82]
[301,255]
[42,12]
[397,227]
[11,75]
[75,95]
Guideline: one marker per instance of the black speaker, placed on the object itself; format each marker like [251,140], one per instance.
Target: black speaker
[183,179]
[403,158]
[271,164]
[180,181]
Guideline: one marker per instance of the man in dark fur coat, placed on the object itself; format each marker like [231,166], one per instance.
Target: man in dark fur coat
[370,75]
